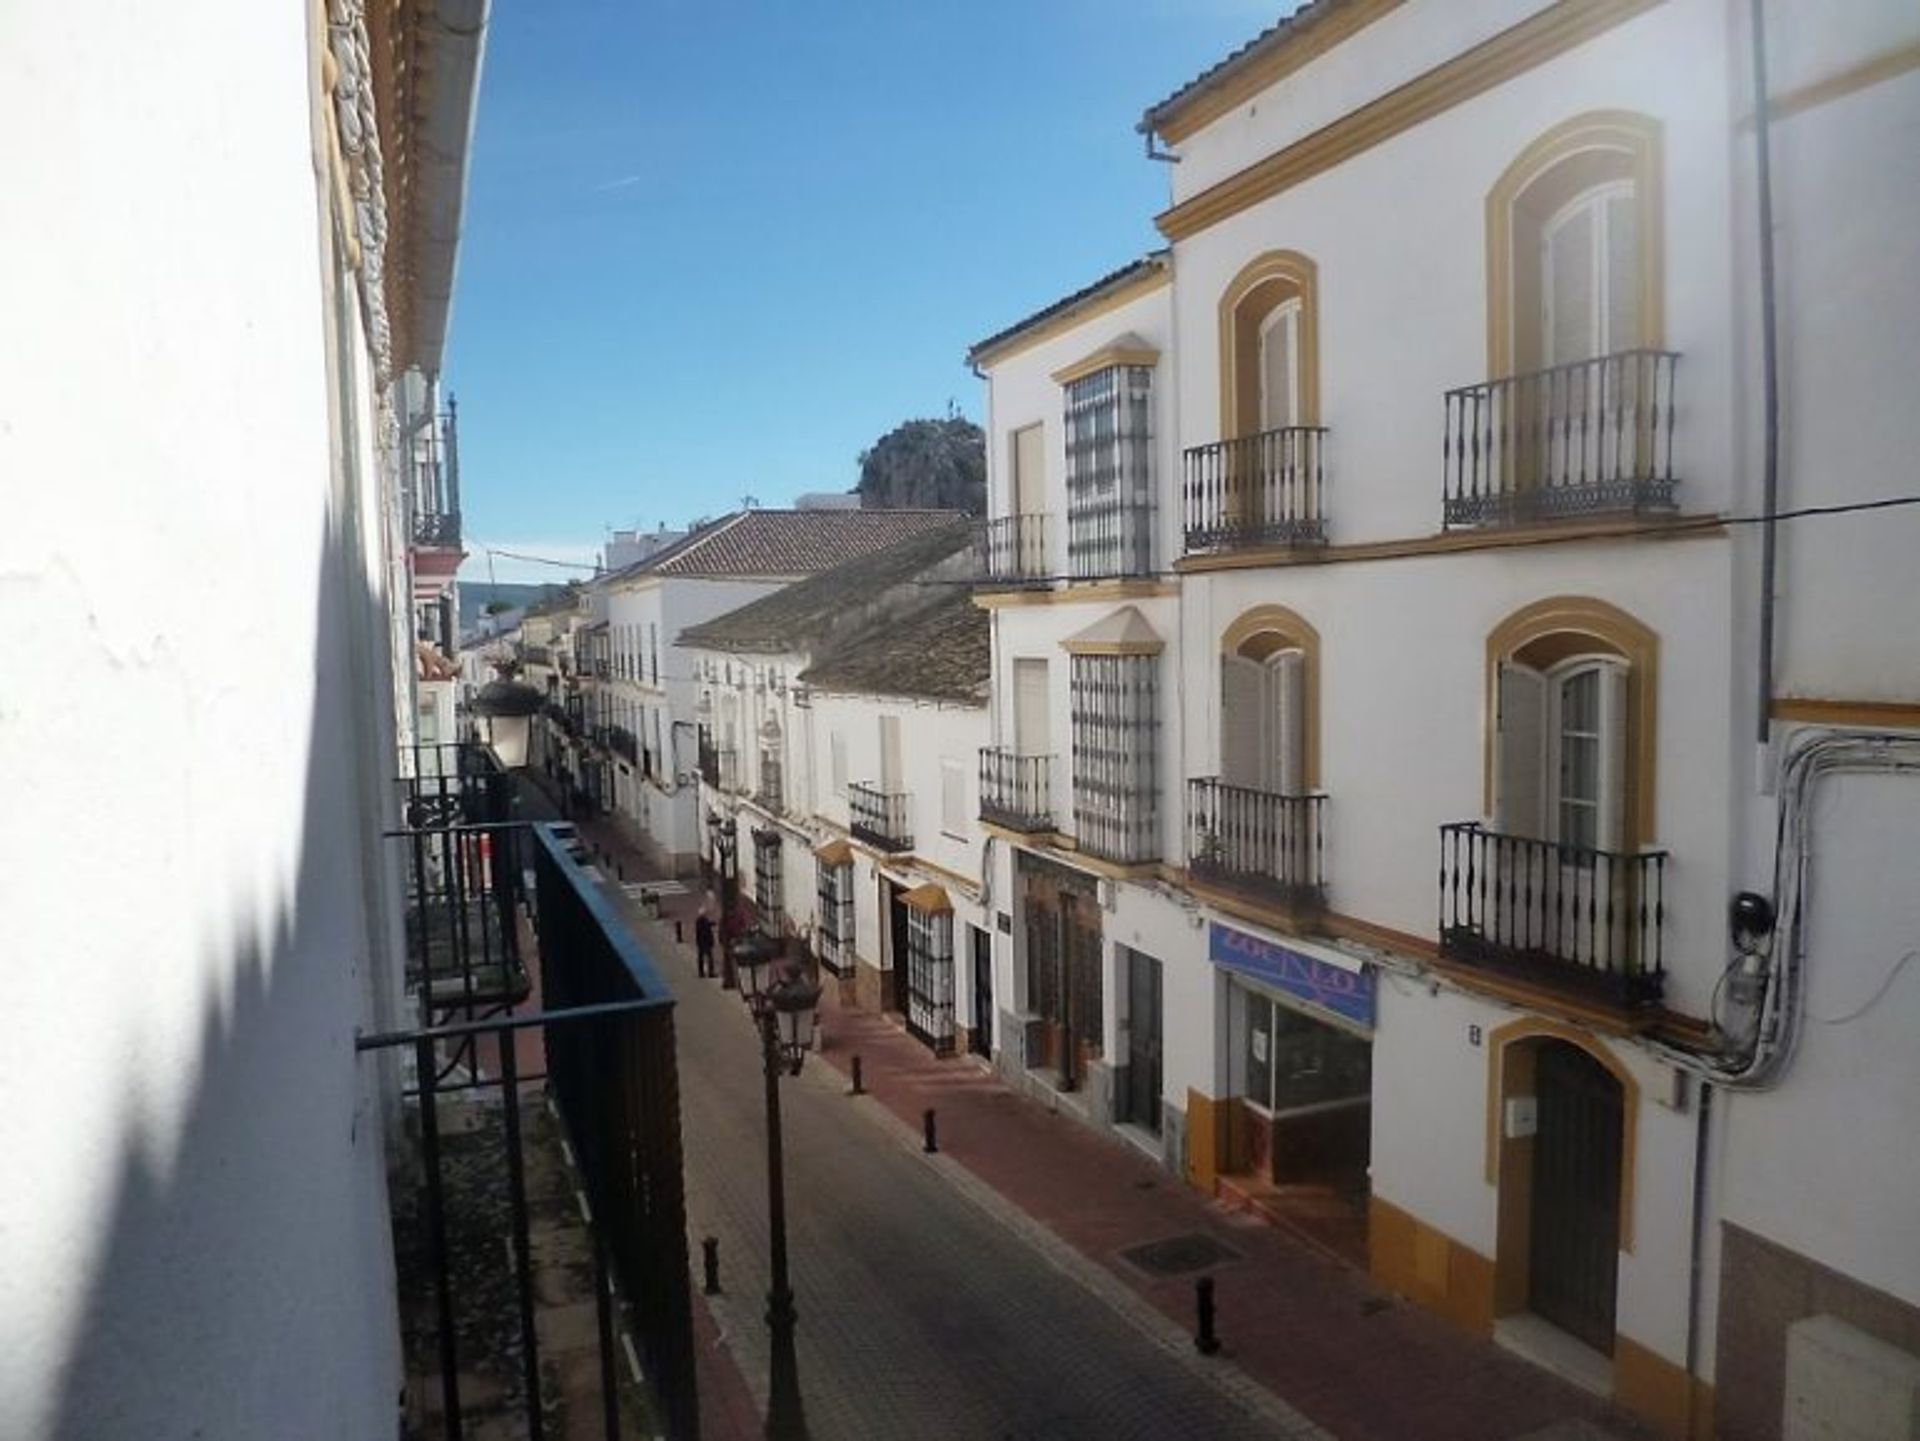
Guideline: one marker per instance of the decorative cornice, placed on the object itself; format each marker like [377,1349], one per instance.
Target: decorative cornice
[1514,51]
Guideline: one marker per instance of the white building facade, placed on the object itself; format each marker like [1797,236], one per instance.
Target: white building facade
[197,1236]
[1374,663]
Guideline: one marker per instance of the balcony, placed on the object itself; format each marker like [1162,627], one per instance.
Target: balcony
[434,483]
[1260,490]
[499,1099]
[879,817]
[1583,923]
[771,795]
[1016,791]
[623,742]
[1013,550]
[1262,845]
[709,759]
[1588,439]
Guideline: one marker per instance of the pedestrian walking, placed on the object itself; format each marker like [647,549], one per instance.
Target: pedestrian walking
[703,942]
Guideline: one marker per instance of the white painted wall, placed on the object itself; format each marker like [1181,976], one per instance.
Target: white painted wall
[194,1211]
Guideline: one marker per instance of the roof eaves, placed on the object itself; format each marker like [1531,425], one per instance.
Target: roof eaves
[1153,262]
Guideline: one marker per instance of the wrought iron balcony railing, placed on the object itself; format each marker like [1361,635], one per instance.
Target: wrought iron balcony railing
[433,481]
[727,764]
[709,760]
[1016,791]
[879,817]
[1013,550]
[1264,845]
[1588,438]
[1585,922]
[536,655]
[439,529]
[1260,490]
[623,742]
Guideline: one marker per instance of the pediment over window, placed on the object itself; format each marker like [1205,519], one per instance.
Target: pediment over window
[1122,632]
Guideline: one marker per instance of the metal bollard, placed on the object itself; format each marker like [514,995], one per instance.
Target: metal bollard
[858,1089]
[710,1263]
[926,1124]
[619,871]
[1204,1339]
[679,939]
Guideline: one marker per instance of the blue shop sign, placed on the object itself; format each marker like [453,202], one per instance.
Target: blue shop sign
[1344,993]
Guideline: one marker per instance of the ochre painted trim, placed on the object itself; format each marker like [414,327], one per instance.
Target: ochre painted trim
[838,852]
[1057,325]
[1584,615]
[1429,1267]
[1298,272]
[1113,647]
[1064,851]
[1303,923]
[1106,358]
[1534,41]
[1527,1028]
[1294,630]
[1546,999]
[1452,542]
[1870,72]
[968,888]
[1620,131]
[1072,593]
[1352,928]
[1653,1387]
[1878,714]
[929,898]
[1181,118]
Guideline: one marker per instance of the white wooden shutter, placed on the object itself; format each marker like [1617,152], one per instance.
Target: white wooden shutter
[1279,367]
[1519,752]
[1569,274]
[953,798]
[1287,753]
[1613,758]
[1029,471]
[1242,707]
[889,753]
[1030,726]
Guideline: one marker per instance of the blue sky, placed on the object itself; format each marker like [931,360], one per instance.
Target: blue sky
[715,248]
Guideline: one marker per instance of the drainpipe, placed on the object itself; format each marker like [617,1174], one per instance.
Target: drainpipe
[1696,1264]
[1769,364]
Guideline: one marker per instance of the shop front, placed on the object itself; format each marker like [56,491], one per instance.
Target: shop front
[1299,1064]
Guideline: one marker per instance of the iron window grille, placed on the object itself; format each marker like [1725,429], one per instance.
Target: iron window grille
[768,883]
[1116,722]
[1110,473]
[836,917]
[930,978]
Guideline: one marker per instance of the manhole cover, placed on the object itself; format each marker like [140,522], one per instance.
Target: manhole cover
[1178,1255]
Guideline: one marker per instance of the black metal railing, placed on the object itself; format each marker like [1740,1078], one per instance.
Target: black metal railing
[559,715]
[1584,921]
[434,481]
[536,655]
[1257,842]
[463,883]
[879,817]
[1259,490]
[709,759]
[1013,548]
[1016,791]
[607,1039]
[727,765]
[623,742]
[772,794]
[1588,438]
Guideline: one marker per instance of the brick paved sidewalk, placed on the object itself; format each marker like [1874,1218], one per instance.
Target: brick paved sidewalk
[1313,1330]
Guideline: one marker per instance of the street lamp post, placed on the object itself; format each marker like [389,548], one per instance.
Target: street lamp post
[726,841]
[783,1011]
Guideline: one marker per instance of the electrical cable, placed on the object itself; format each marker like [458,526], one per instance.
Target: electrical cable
[1871,1001]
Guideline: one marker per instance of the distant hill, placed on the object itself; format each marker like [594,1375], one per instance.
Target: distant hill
[475,595]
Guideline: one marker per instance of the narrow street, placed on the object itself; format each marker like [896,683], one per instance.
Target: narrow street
[927,1304]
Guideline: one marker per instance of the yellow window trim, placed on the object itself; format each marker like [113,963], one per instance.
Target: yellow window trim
[1295,633]
[1238,349]
[1128,351]
[1622,131]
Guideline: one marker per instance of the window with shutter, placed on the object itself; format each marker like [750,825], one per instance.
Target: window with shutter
[1031,725]
[953,798]
[1280,366]
[1520,752]
[838,760]
[1242,699]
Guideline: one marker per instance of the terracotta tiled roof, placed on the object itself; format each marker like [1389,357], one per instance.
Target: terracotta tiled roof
[940,652]
[1278,33]
[1112,280]
[785,544]
[808,611]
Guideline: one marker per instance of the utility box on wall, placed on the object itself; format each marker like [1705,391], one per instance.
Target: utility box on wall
[1844,1385]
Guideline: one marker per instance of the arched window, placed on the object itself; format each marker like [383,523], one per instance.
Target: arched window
[1269,370]
[1574,245]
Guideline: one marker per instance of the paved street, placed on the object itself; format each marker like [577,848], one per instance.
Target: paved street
[982,1291]
[928,1305]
